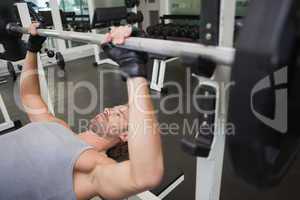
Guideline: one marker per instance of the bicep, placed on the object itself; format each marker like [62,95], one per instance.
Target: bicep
[114,181]
[37,110]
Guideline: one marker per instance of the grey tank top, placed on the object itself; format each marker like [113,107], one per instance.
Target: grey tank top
[37,161]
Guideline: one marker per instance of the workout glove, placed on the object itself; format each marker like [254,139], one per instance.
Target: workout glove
[35,43]
[132,63]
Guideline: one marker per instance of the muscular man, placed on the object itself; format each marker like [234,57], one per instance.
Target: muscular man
[45,160]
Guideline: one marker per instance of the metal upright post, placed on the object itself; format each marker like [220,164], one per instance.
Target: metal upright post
[26,21]
[57,21]
[91,6]
[8,123]
[209,170]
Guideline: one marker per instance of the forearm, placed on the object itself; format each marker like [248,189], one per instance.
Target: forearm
[144,169]
[144,135]
[29,83]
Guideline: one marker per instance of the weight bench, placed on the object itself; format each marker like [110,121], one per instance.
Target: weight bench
[8,125]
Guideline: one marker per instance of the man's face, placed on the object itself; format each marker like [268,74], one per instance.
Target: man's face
[111,123]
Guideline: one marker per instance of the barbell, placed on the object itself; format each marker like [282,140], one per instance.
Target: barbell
[222,55]
[265,64]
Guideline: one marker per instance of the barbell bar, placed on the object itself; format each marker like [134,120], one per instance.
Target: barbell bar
[220,55]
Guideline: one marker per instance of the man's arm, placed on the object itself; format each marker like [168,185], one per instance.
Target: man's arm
[144,170]
[34,105]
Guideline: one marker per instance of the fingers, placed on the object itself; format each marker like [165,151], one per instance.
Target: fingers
[120,34]
[33,28]
[107,38]
[124,137]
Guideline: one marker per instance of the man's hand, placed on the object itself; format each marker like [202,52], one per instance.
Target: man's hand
[132,63]
[35,42]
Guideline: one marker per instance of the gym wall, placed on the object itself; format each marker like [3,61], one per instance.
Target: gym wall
[184,7]
[40,3]
[241,7]
[108,3]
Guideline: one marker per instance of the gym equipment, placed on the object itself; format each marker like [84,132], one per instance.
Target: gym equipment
[239,23]
[179,30]
[221,55]
[265,74]
[133,18]
[183,31]
[158,30]
[265,100]
[167,30]
[204,140]
[160,47]
[195,33]
[132,3]
[174,30]
[20,67]
[264,96]
[259,154]
[49,53]
[11,71]
[158,73]
[12,47]
[104,17]
[16,125]
[107,15]
[60,61]
[34,15]
[150,30]
[8,125]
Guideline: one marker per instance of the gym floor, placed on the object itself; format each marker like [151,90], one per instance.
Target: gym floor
[176,162]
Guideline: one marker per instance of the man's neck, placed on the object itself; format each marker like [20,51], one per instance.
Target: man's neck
[99,143]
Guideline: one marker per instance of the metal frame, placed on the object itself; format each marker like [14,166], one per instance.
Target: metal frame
[171,187]
[96,48]
[61,44]
[209,170]
[26,21]
[8,123]
[210,18]
[97,55]
[158,73]
[57,22]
